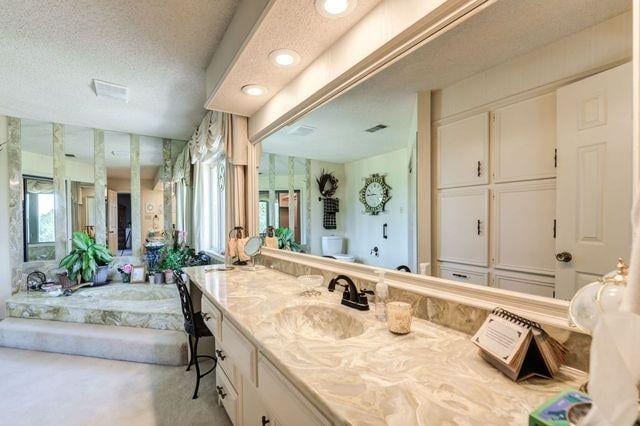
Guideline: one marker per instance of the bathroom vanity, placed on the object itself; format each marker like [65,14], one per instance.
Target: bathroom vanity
[285,359]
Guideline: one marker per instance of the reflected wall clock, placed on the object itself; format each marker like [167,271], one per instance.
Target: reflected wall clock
[375,194]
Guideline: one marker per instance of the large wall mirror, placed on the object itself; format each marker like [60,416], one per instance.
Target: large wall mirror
[498,154]
[62,167]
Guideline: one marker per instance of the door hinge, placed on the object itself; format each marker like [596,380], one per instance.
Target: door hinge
[555,228]
[555,157]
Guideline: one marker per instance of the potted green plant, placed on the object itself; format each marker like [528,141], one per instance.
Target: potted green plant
[286,239]
[173,259]
[88,260]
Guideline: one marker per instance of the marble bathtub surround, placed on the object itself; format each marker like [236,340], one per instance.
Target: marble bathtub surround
[132,305]
[100,185]
[456,316]
[352,369]
[59,191]
[16,241]
[136,226]
[167,186]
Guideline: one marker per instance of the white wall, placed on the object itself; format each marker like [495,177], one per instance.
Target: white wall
[317,207]
[603,44]
[364,231]
[5,271]
[42,165]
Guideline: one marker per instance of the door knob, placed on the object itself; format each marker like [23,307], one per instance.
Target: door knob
[565,256]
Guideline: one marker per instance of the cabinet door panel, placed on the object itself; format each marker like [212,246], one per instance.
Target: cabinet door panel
[525,283]
[462,226]
[523,227]
[463,152]
[524,140]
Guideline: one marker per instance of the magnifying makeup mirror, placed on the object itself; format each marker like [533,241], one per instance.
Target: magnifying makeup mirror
[252,249]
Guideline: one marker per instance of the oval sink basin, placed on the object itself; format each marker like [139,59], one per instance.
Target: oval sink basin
[318,322]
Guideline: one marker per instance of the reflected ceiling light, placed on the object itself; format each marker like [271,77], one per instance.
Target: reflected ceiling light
[253,90]
[335,8]
[284,57]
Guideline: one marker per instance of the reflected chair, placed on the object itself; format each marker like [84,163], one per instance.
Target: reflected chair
[404,268]
[195,328]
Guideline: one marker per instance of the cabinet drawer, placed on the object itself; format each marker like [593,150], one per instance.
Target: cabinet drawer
[228,396]
[525,283]
[241,351]
[225,361]
[212,317]
[284,400]
[464,275]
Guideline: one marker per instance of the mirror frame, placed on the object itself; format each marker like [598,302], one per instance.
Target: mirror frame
[545,310]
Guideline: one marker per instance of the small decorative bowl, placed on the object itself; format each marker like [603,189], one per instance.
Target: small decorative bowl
[310,284]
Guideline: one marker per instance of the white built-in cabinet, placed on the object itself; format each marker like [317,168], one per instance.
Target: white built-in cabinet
[251,389]
[463,152]
[495,207]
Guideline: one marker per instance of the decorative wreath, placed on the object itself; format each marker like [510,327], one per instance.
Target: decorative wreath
[327,184]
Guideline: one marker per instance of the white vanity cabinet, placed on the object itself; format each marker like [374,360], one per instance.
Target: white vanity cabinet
[251,390]
[463,273]
[463,152]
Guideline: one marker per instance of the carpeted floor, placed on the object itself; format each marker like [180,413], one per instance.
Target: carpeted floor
[40,388]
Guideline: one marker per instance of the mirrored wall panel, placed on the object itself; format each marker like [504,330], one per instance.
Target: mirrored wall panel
[498,154]
[79,181]
[117,148]
[38,199]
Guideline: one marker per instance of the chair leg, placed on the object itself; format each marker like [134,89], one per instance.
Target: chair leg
[190,353]
[195,360]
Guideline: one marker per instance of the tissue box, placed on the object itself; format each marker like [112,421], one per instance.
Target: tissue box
[554,412]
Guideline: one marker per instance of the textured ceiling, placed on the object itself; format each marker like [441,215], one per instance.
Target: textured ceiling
[507,29]
[289,24]
[50,50]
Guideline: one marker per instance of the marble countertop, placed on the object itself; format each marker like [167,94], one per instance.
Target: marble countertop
[433,375]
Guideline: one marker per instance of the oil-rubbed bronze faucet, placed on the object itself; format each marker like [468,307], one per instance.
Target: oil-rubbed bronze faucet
[351,296]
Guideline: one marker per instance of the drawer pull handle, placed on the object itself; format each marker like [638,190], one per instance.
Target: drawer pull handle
[478,223]
[460,276]
[221,392]
[220,354]
[265,420]
[479,168]
[206,316]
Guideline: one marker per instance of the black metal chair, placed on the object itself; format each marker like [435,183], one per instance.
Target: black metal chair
[195,328]
[404,268]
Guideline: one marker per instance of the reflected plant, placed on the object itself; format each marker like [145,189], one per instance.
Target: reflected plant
[286,239]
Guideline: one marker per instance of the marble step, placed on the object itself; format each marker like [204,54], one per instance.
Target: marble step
[102,341]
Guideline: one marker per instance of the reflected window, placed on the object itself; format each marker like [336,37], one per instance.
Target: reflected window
[38,219]
[213,179]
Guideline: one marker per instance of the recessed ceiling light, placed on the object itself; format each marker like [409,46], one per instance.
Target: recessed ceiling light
[284,57]
[253,90]
[335,8]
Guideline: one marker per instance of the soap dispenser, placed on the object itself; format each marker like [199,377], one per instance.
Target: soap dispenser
[381,295]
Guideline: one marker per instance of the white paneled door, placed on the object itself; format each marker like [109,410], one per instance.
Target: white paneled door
[594,177]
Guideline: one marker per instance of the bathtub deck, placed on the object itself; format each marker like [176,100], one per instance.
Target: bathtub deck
[133,305]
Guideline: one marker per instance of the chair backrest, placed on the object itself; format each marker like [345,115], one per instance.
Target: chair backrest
[185,301]
[404,268]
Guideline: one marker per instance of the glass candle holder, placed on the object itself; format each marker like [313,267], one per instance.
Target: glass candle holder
[399,316]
